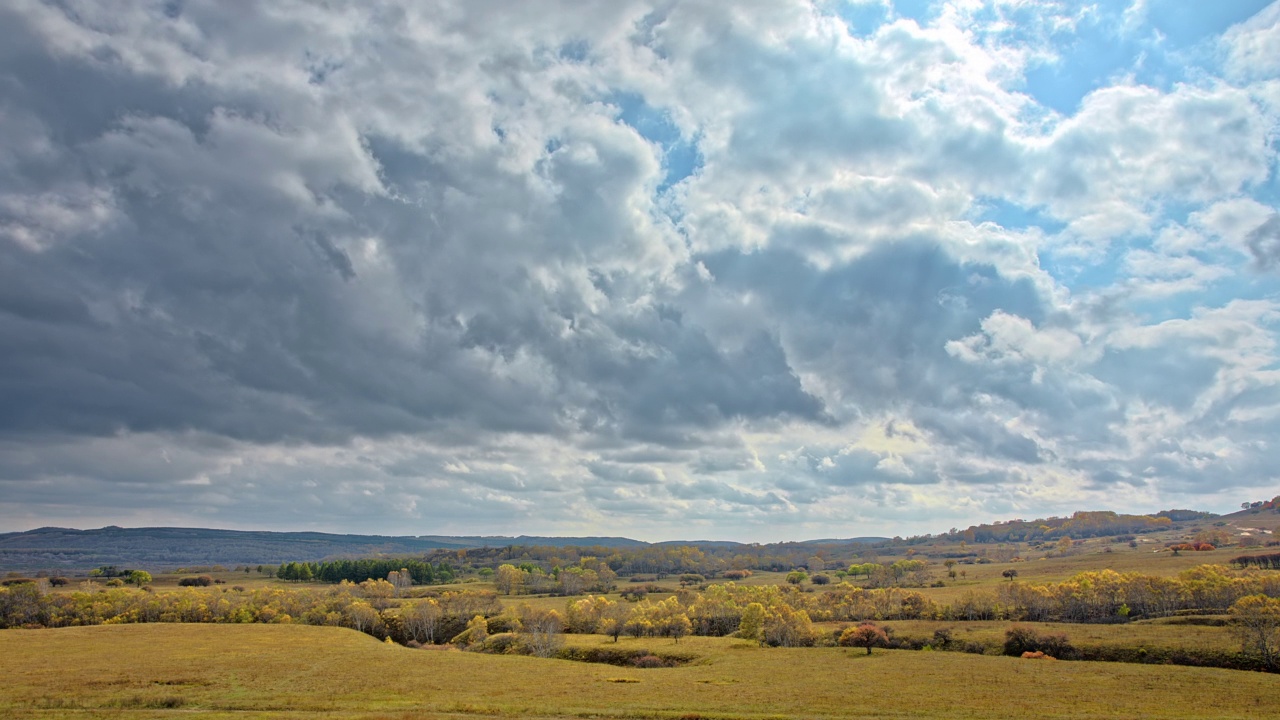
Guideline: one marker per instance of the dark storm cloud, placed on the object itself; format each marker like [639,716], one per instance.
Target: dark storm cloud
[226,298]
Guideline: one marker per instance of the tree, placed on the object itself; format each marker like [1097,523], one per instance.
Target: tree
[379,592]
[20,605]
[785,627]
[795,577]
[1010,573]
[509,579]
[751,626]
[476,633]
[1256,622]
[542,630]
[613,621]
[362,616]
[139,577]
[421,620]
[865,635]
[677,625]
[400,580]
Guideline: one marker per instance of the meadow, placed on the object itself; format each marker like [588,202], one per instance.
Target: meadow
[289,671]
[251,644]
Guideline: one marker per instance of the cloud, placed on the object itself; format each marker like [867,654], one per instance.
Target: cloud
[1264,242]
[733,270]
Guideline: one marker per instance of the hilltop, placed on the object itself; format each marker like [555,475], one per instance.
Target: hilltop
[72,549]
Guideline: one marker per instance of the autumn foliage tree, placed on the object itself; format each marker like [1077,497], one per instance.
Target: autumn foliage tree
[865,635]
[1256,622]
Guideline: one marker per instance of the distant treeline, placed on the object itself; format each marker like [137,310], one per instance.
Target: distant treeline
[718,609]
[655,560]
[357,571]
[1079,525]
[1265,562]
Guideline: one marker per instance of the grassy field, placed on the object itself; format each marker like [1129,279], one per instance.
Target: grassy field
[1147,634]
[251,671]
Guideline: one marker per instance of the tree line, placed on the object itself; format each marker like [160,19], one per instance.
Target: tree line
[1083,524]
[718,609]
[420,571]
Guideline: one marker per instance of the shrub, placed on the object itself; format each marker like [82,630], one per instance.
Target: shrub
[1020,639]
[737,574]
[649,661]
[942,637]
[1037,655]
[503,644]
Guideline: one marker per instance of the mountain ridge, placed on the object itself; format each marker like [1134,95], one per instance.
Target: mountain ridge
[75,549]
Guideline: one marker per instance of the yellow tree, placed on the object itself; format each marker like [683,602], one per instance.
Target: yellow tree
[509,579]
[1256,621]
[752,625]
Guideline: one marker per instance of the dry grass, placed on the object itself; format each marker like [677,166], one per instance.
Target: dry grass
[1154,634]
[216,671]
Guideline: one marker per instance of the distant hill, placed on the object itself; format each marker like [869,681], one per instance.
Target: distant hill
[50,548]
[1262,515]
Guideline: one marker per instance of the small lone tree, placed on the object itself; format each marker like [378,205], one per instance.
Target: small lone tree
[1010,573]
[139,577]
[865,635]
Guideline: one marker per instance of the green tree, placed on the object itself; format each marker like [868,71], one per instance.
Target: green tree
[139,577]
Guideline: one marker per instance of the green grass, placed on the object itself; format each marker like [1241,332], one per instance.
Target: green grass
[226,671]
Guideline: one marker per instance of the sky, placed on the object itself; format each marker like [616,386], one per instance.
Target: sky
[758,271]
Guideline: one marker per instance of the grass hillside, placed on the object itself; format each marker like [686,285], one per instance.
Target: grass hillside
[249,671]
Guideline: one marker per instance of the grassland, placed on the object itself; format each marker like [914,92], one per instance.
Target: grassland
[232,671]
[295,671]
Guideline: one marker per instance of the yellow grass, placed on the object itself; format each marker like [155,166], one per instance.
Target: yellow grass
[1129,635]
[229,671]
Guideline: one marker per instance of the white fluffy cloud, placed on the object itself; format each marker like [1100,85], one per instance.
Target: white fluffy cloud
[748,270]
